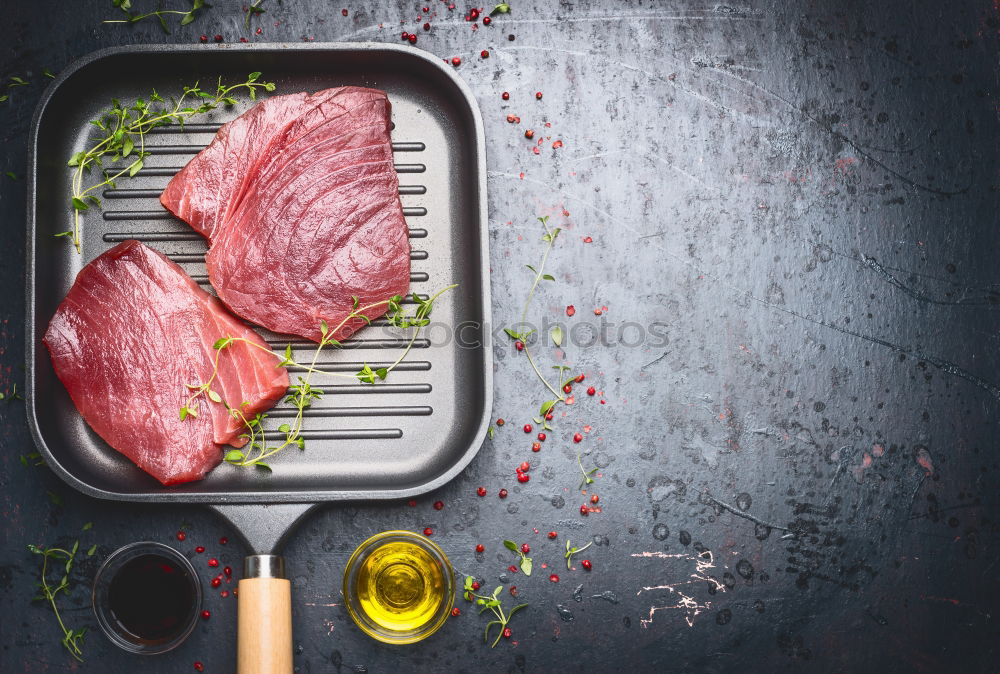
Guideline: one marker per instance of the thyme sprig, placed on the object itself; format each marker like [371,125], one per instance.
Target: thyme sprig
[570,551]
[525,562]
[124,129]
[549,237]
[161,15]
[586,473]
[253,9]
[61,559]
[492,603]
[303,394]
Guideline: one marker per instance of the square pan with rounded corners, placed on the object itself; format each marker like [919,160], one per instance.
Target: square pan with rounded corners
[400,438]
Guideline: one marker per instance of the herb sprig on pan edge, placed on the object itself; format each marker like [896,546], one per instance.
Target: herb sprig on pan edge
[125,129]
[161,15]
[304,393]
[72,638]
[549,237]
[490,602]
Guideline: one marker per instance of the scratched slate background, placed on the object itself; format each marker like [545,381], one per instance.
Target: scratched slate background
[804,194]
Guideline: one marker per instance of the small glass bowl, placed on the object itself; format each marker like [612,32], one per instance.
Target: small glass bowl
[353,603]
[102,605]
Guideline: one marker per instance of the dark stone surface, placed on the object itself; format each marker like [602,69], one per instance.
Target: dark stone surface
[803,196]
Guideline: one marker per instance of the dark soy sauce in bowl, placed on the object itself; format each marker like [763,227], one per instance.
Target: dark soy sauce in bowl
[147,597]
[152,597]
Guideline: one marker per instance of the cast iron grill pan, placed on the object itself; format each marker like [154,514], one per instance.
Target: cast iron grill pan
[396,439]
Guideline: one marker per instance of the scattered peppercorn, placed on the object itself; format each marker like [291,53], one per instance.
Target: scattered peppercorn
[594,498]
[343,12]
[552,534]
[577,437]
[506,633]
[181,535]
[503,493]
[519,345]
[591,391]
[510,120]
[523,477]
[500,421]
[438,505]
[538,95]
[484,54]
[528,133]
[554,578]
[455,61]
[228,571]
[412,503]
[487,20]
[412,38]
[404,35]
[586,564]
[480,548]
[475,585]
[505,96]
[527,428]
[427,26]
[536,446]
[203,38]
[216,582]
[524,467]
[541,437]
[512,568]
[548,416]
[218,38]
[428,531]
[206,614]
[568,388]
[455,612]
[510,38]
[579,378]
[200,549]
[513,590]
[481,491]
[223,540]
[198,667]
[525,548]
[584,511]
[213,562]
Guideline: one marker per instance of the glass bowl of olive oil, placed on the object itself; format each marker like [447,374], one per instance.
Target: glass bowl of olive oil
[399,587]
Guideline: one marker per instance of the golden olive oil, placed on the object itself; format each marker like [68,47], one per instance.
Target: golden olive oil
[400,586]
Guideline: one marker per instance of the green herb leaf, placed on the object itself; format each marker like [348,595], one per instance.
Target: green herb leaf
[526,565]
[87,526]
[512,546]
[80,204]
[234,455]
[502,8]
[556,334]
[213,396]
[90,553]
[222,343]
[512,334]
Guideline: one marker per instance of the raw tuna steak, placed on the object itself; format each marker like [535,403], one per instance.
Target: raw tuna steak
[299,200]
[132,332]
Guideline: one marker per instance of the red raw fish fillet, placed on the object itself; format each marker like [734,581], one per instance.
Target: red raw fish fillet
[299,200]
[133,331]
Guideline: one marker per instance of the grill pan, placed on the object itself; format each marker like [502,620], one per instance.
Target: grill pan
[396,439]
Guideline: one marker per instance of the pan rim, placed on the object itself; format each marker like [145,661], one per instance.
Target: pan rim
[164,494]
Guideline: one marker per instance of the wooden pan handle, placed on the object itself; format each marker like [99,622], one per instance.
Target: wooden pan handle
[264,618]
